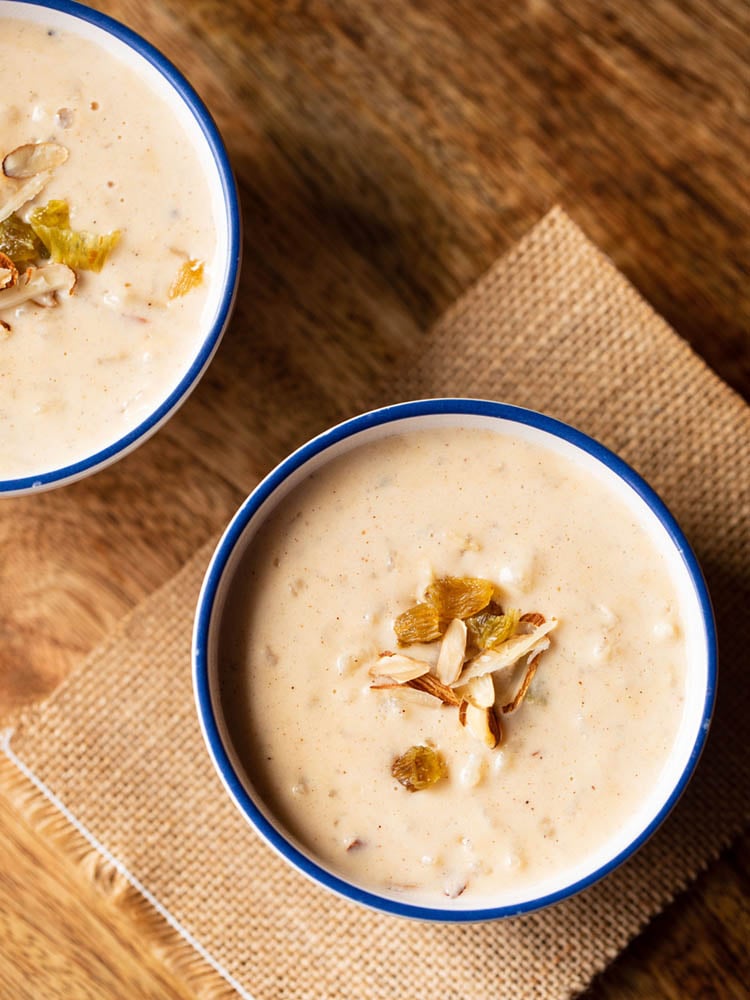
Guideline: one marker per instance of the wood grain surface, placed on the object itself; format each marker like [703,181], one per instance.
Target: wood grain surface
[386,154]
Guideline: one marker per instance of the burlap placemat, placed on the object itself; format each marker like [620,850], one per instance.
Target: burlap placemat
[553,325]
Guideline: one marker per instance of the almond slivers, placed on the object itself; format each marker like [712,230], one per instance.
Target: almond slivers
[534,617]
[432,685]
[33,158]
[408,695]
[531,665]
[480,691]
[39,284]
[506,655]
[452,652]
[482,723]
[397,667]
[15,193]
[27,171]
[477,640]
[8,272]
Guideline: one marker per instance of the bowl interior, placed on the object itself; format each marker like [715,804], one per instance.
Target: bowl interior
[597,462]
[186,108]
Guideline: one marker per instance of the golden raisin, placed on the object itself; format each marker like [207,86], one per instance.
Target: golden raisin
[419,624]
[419,768]
[188,277]
[459,596]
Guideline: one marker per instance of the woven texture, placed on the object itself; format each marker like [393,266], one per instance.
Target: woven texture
[553,326]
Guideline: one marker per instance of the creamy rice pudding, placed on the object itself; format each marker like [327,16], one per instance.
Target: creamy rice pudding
[78,371]
[313,606]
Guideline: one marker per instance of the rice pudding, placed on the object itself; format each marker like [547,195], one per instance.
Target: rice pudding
[88,357]
[312,608]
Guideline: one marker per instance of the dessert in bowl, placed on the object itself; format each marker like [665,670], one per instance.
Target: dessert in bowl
[454,660]
[119,242]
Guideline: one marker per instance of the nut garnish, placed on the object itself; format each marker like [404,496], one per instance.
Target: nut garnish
[531,666]
[534,617]
[33,158]
[452,652]
[480,691]
[432,685]
[15,193]
[8,272]
[406,695]
[481,723]
[40,285]
[507,654]
[26,171]
[479,640]
[397,667]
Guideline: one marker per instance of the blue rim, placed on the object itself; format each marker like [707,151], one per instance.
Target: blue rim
[231,202]
[252,504]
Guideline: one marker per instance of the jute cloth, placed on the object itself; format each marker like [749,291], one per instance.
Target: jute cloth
[554,326]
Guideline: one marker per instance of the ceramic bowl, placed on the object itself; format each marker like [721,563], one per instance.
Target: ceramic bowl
[248,523]
[162,77]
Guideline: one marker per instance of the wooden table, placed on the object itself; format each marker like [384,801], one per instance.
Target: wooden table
[386,153]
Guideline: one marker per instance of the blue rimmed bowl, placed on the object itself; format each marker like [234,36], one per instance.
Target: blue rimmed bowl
[135,53]
[700,686]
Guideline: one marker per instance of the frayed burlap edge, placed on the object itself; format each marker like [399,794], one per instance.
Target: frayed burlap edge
[169,941]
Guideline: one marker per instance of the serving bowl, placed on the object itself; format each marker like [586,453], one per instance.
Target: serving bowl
[247,528]
[185,108]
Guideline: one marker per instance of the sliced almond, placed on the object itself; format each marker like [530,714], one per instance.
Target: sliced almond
[480,691]
[481,723]
[34,158]
[15,193]
[409,695]
[8,272]
[46,300]
[432,685]
[534,617]
[529,622]
[38,283]
[539,649]
[528,677]
[506,655]
[462,711]
[396,666]
[452,652]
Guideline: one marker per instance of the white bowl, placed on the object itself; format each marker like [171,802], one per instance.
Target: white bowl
[187,108]
[640,499]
